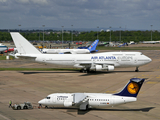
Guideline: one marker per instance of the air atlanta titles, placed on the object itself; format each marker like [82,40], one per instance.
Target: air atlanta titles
[112,57]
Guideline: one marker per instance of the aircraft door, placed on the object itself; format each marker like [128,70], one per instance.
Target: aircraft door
[135,60]
[54,99]
[43,60]
[117,60]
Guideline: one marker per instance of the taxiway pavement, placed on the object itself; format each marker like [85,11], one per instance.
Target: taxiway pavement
[32,86]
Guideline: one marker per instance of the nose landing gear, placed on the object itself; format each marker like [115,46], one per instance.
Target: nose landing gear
[137,70]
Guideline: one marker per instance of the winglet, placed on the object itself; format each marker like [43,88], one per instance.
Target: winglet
[93,46]
[132,88]
[23,45]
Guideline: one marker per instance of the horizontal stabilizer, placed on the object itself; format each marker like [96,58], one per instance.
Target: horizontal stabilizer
[94,51]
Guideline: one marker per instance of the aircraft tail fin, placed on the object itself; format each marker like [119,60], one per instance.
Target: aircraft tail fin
[132,88]
[93,46]
[23,45]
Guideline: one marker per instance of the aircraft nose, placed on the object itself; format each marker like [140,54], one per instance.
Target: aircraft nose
[41,101]
[148,59]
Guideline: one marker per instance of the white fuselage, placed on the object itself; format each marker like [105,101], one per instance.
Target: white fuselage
[94,100]
[116,59]
[63,51]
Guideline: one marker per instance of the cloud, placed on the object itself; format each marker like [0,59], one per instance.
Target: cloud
[32,1]
[82,13]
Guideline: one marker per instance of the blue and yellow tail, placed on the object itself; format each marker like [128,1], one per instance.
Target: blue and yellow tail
[132,88]
[93,46]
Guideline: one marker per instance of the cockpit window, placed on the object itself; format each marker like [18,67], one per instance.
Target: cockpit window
[48,97]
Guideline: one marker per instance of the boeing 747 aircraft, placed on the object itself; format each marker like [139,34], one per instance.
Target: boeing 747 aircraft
[90,49]
[83,101]
[87,62]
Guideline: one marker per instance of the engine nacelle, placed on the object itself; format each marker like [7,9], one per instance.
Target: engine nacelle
[110,68]
[98,67]
[67,104]
[102,67]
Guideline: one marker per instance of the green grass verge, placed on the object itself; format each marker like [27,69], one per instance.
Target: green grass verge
[38,69]
[3,57]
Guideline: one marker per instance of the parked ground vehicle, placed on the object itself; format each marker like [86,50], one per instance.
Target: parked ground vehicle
[25,105]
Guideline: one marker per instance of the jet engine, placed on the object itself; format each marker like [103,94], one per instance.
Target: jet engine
[104,67]
[110,68]
[67,104]
[98,67]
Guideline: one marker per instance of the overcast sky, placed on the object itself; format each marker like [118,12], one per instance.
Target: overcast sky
[132,14]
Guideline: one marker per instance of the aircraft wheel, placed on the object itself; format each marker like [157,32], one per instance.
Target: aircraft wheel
[136,69]
[88,71]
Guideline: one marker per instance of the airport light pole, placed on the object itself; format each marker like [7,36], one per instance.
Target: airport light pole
[43,35]
[19,28]
[120,34]
[39,35]
[110,33]
[97,32]
[72,33]
[151,32]
[62,36]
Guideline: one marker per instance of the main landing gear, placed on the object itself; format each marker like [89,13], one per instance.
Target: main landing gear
[137,69]
[85,70]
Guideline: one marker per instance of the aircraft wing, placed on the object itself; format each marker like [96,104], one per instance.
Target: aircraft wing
[88,63]
[96,66]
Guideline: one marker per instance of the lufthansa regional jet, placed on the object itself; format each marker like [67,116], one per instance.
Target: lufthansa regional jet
[87,62]
[90,49]
[83,101]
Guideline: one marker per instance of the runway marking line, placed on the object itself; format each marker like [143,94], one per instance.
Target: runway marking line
[152,82]
[4,117]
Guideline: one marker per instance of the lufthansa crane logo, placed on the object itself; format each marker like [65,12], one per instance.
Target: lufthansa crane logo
[133,88]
